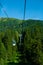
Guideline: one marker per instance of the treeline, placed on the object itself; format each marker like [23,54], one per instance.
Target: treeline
[8,52]
[33,46]
[31,49]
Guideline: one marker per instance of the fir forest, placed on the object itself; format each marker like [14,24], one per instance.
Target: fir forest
[21,40]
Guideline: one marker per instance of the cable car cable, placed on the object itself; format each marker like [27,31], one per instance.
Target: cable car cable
[4,10]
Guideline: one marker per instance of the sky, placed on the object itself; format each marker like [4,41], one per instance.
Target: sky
[15,9]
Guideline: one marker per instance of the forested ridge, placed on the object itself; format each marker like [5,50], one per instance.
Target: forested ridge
[31,50]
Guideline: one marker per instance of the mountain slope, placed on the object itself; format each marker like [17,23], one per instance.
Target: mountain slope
[6,23]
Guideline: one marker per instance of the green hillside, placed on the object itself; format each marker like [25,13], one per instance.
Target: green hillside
[9,23]
[6,23]
[31,49]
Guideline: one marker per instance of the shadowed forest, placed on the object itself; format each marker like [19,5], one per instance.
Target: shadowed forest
[31,49]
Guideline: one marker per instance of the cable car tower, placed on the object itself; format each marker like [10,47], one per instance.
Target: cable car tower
[21,38]
[21,35]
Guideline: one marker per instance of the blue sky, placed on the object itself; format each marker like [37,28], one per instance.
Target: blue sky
[15,9]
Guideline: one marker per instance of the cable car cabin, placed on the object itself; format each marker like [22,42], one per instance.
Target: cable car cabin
[14,42]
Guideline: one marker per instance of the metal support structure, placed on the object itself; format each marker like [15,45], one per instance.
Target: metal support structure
[22,21]
[21,46]
[24,9]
